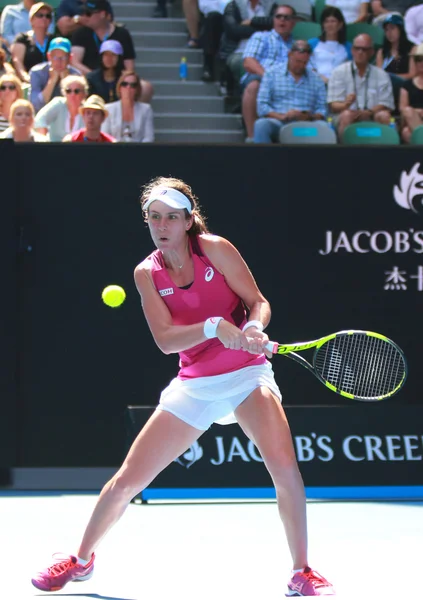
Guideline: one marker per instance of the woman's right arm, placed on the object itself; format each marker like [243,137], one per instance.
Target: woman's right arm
[46,116]
[18,57]
[379,59]
[168,337]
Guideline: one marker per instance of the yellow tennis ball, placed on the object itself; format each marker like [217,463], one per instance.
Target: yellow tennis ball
[113,295]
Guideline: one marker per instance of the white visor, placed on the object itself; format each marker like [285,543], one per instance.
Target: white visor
[169,196]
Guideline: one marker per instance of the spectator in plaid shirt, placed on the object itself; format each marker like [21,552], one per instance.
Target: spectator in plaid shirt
[264,49]
[289,92]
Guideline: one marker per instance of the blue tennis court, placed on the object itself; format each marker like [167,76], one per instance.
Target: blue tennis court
[229,550]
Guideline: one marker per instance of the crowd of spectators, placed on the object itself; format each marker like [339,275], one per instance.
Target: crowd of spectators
[69,75]
[76,61]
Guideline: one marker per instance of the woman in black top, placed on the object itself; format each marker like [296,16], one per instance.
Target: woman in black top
[411,98]
[30,48]
[394,56]
[102,81]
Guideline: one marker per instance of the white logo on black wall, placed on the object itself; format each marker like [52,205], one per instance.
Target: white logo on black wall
[409,192]
[314,447]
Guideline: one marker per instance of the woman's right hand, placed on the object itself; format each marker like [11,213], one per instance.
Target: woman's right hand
[234,339]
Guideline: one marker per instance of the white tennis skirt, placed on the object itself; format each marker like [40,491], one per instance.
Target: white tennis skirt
[205,400]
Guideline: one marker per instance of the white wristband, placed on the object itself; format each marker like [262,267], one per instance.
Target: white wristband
[210,327]
[257,324]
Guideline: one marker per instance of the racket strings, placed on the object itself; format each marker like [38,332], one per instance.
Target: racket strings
[361,365]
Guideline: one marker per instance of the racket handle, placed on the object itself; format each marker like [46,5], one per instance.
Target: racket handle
[272,347]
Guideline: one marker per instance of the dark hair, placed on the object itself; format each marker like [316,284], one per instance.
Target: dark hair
[276,6]
[404,44]
[118,68]
[199,221]
[333,11]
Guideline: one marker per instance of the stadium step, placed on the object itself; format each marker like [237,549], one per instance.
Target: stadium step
[200,136]
[150,24]
[124,10]
[183,104]
[194,122]
[168,55]
[156,39]
[166,71]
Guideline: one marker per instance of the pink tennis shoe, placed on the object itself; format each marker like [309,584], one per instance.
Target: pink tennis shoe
[309,583]
[65,568]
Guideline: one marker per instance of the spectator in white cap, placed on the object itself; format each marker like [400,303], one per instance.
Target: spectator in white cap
[61,115]
[93,112]
[102,81]
[130,119]
[45,78]
[30,48]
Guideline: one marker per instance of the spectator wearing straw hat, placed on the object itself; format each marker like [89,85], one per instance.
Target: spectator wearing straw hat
[45,78]
[93,112]
[103,81]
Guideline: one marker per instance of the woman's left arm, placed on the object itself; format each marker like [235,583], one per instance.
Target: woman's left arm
[148,124]
[239,278]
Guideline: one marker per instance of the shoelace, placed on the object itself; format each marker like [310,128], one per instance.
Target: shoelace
[62,564]
[315,578]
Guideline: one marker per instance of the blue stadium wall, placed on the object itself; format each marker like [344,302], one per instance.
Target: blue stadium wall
[334,237]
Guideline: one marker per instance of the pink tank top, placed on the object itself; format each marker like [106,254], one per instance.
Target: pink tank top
[208,296]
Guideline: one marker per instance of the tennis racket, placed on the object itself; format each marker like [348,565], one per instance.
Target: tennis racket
[361,365]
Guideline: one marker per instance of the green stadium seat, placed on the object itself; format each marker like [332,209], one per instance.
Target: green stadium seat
[376,33]
[305,30]
[318,9]
[369,132]
[417,136]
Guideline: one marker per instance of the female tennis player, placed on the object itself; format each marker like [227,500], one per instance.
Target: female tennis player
[193,290]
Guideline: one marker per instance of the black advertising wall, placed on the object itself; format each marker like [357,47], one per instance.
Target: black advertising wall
[8,312]
[331,243]
[335,447]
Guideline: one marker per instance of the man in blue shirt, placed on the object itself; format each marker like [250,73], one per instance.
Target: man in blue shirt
[289,92]
[263,50]
[46,77]
[15,20]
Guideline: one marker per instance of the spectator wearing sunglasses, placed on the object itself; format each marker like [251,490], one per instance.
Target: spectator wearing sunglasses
[289,93]
[359,91]
[15,20]
[265,49]
[10,90]
[129,119]
[61,115]
[93,112]
[30,48]
[45,78]
[411,98]
[103,81]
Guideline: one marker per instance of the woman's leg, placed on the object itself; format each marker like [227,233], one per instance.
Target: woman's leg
[263,420]
[162,439]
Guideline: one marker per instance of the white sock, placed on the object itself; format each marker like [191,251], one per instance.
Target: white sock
[82,562]
[297,571]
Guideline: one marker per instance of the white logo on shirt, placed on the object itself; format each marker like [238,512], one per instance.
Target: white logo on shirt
[209,274]
[166,292]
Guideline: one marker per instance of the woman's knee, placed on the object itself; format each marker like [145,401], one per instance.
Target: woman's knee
[147,91]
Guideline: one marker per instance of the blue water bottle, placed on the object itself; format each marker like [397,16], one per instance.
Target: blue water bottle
[183,69]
